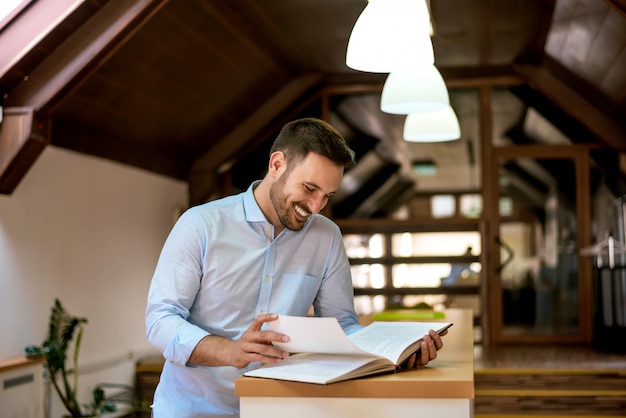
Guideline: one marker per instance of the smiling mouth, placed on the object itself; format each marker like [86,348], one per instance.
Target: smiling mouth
[301,212]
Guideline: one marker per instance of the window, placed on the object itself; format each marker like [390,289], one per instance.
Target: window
[443,206]
[471,205]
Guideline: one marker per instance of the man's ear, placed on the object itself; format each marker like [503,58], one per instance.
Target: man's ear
[277,163]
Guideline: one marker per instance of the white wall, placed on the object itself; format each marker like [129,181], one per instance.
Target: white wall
[89,232]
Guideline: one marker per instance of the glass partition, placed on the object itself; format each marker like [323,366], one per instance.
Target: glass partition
[538,250]
[415,269]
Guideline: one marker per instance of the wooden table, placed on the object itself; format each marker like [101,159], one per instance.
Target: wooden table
[444,388]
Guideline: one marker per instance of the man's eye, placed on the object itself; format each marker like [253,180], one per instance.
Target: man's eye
[309,188]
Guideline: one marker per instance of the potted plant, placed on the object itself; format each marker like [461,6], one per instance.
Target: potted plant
[61,330]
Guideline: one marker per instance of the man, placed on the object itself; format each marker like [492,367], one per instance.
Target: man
[229,266]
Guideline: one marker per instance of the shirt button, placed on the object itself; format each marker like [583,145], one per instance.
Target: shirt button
[267,278]
[261,312]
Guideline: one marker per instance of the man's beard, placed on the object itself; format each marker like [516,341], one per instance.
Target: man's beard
[277,197]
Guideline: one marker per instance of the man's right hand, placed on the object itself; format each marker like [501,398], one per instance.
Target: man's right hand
[255,345]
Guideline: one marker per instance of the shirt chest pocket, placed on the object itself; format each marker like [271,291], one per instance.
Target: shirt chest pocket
[302,286]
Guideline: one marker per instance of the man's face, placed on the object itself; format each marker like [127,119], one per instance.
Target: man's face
[304,189]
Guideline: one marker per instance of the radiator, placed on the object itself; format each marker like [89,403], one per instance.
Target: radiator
[21,391]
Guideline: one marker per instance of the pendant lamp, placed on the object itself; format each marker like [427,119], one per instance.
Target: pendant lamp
[436,126]
[390,35]
[420,89]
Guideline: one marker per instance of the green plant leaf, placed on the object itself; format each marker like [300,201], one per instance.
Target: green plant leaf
[61,329]
[98,395]
[33,351]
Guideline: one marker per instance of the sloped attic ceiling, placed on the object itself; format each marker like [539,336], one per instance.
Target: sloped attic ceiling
[188,88]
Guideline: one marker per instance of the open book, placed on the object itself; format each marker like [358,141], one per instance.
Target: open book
[325,354]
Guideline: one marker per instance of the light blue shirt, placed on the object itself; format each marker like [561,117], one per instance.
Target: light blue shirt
[220,267]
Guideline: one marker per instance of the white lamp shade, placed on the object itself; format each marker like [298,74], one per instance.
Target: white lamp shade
[437,126]
[390,35]
[421,89]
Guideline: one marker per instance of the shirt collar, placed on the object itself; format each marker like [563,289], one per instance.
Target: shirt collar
[250,205]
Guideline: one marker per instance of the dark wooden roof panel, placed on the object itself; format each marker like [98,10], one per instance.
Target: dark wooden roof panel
[190,85]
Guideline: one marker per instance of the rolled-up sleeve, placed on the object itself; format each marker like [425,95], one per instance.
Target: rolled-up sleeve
[172,292]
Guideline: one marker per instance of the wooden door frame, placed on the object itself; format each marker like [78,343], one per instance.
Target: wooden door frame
[579,154]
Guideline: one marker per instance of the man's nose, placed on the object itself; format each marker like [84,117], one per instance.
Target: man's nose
[317,204]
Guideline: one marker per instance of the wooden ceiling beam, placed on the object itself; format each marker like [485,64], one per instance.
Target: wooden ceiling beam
[205,169]
[63,70]
[225,148]
[619,5]
[82,53]
[22,140]
[454,78]
[29,27]
[574,105]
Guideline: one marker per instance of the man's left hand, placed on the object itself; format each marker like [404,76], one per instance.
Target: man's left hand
[428,351]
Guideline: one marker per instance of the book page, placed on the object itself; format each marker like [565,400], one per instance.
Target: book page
[391,339]
[320,368]
[324,335]
[312,335]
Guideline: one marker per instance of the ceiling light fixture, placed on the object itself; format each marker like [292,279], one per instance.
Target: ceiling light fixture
[391,35]
[437,126]
[419,89]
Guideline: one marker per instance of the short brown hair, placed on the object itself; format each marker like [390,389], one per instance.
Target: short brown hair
[302,136]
